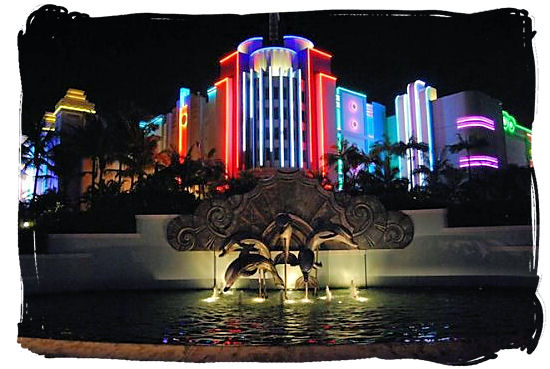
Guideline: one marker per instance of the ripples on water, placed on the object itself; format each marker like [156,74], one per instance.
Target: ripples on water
[388,315]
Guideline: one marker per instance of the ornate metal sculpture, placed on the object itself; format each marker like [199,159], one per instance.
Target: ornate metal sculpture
[333,220]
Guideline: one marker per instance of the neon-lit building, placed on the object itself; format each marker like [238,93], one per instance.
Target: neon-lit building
[413,119]
[70,114]
[477,118]
[275,106]
[182,129]
[518,141]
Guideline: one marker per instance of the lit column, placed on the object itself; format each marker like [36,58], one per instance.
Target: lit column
[300,123]
[270,113]
[252,130]
[261,111]
[281,121]
[244,113]
[291,116]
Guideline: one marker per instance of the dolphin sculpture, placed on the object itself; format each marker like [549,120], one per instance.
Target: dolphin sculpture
[247,243]
[248,264]
[328,231]
[283,222]
[250,242]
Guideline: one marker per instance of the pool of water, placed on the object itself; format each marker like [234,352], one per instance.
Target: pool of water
[189,318]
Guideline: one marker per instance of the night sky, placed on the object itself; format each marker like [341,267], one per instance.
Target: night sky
[143,59]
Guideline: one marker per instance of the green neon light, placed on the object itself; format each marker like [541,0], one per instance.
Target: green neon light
[510,124]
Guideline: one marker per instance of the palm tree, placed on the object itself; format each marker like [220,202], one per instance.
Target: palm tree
[37,152]
[140,153]
[468,144]
[382,154]
[350,157]
[411,147]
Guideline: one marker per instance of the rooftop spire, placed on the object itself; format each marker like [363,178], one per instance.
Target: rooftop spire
[274,28]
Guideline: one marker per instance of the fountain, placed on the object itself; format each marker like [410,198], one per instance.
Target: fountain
[284,214]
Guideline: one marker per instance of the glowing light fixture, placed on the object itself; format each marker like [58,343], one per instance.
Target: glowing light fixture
[291,116]
[475,121]
[270,110]
[511,124]
[322,118]
[478,161]
[183,118]
[226,117]
[300,123]
[229,56]
[322,53]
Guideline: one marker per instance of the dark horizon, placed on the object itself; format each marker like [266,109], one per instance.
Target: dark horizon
[145,58]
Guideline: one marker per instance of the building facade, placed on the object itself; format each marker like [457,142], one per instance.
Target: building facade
[274,106]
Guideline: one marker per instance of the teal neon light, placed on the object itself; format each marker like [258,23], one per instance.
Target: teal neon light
[211,92]
[338,89]
[340,164]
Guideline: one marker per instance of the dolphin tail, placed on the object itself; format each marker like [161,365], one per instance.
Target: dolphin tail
[293,260]
[279,258]
[312,282]
[318,265]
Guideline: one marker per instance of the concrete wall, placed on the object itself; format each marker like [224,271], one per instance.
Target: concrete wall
[438,256]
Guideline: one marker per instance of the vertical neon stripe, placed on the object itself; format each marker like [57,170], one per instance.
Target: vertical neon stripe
[244,111]
[429,124]
[309,108]
[236,124]
[321,119]
[291,116]
[408,133]
[261,111]
[281,121]
[340,169]
[322,99]
[418,116]
[252,125]
[300,123]
[397,129]
[251,94]
[270,111]
[226,120]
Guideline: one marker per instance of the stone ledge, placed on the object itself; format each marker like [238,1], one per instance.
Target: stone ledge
[458,352]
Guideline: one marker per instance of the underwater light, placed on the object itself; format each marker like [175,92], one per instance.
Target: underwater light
[258,299]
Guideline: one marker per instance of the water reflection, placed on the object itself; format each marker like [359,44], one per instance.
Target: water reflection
[387,315]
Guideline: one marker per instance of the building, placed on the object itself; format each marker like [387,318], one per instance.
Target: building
[71,114]
[275,106]
[517,141]
[414,123]
[475,119]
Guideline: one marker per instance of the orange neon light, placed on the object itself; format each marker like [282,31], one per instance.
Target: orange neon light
[328,76]
[183,118]
[326,55]
[226,81]
[228,57]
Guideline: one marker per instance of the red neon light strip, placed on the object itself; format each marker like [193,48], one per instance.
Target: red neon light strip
[322,124]
[226,80]
[228,57]
[326,55]
[309,107]
[236,123]
[322,119]
[182,149]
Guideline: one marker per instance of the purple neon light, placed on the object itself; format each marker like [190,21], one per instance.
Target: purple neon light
[473,124]
[478,161]
[475,121]
[475,117]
